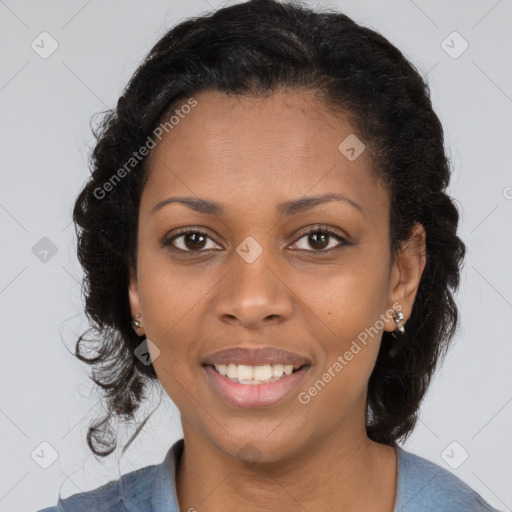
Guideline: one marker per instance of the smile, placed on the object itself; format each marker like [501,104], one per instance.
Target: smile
[255,386]
[261,374]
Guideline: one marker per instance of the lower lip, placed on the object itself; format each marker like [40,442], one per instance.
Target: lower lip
[252,396]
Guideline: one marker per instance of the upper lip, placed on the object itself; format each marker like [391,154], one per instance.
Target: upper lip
[253,357]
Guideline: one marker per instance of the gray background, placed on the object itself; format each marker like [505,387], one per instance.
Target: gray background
[46,106]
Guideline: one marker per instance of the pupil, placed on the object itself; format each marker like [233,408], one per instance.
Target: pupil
[194,237]
[314,236]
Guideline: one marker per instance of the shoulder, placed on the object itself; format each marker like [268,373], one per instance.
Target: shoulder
[424,485]
[110,496]
[148,488]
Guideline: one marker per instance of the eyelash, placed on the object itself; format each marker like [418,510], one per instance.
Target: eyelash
[168,242]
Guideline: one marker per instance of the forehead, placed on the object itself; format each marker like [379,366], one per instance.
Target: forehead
[255,149]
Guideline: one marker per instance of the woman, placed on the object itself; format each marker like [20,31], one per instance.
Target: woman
[266,232]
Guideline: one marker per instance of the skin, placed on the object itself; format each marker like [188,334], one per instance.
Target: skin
[251,154]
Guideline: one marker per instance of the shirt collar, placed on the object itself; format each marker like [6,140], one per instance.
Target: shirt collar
[165,497]
[160,491]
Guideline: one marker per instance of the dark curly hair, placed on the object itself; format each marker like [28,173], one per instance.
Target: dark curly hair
[256,48]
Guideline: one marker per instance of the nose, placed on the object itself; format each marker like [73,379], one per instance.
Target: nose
[254,294]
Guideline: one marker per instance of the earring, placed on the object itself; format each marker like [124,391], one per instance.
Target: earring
[135,323]
[399,319]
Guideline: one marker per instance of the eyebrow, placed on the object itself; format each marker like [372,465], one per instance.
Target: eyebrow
[286,208]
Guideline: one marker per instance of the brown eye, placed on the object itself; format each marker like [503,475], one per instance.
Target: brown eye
[189,241]
[320,240]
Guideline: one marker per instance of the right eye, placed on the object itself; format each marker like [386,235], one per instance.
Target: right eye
[190,240]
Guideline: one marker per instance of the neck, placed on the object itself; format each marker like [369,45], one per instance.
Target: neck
[331,473]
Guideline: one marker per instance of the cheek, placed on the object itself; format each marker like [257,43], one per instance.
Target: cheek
[169,300]
[347,302]
[170,294]
[347,309]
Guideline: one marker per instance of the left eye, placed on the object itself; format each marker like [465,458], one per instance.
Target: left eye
[318,237]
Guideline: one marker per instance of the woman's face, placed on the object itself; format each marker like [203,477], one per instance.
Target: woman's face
[255,279]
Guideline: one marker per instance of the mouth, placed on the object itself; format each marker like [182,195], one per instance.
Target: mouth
[255,387]
[254,375]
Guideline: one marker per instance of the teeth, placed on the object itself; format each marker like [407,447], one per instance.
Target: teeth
[232,371]
[244,372]
[262,374]
[277,370]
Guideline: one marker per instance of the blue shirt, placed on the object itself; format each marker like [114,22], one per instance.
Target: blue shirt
[422,486]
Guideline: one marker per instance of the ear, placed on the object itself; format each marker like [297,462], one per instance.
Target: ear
[133,293]
[406,271]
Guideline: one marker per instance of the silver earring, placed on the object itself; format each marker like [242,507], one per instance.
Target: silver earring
[399,319]
[136,323]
